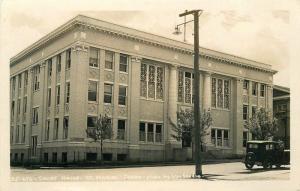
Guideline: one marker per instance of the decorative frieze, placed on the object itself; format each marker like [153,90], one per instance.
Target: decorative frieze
[108,76]
[108,110]
[93,73]
[80,46]
[123,78]
[122,111]
[92,108]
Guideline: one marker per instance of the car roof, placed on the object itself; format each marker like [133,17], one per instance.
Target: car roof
[259,141]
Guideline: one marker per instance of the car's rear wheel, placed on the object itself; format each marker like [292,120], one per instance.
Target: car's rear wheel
[249,166]
[278,165]
[267,164]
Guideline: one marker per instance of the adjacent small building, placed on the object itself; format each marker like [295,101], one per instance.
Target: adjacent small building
[87,67]
[281,110]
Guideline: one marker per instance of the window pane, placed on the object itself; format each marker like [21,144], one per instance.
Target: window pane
[143,77]
[150,137]
[123,63]
[92,92]
[109,57]
[91,121]
[151,82]
[107,93]
[159,83]
[122,95]
[142,133]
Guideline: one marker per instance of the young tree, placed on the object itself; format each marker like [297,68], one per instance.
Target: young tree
[184,129]
[262,125]
[102,130]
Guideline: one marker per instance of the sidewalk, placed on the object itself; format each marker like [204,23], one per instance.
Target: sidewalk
[132,165]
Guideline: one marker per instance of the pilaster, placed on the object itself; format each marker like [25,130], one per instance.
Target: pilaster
[134,96]
[79,88]
[238,124]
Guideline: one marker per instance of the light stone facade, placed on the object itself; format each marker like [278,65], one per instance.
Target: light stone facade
[158,70]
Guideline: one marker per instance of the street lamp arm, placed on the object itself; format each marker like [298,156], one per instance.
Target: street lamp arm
[190,12]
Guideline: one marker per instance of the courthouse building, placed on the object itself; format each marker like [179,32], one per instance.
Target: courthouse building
[87,67]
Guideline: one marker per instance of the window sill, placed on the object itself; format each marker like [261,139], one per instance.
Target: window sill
[153,100]
[92,102]
[222,147]
[108,70]
[150,143]
[93,67]
[216,108]
[108,104]
[121,72]
[122,105]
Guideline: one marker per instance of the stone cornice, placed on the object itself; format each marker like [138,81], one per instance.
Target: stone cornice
[143,37]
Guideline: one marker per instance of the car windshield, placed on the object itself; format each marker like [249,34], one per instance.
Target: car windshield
[253,146]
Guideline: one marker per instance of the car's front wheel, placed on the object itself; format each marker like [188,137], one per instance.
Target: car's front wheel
[250,160]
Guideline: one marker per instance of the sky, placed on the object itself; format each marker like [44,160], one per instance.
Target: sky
[255,30]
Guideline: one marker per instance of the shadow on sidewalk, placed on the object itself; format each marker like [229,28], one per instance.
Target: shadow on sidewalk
[257,170]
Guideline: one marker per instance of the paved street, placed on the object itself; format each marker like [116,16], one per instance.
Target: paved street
[224,171]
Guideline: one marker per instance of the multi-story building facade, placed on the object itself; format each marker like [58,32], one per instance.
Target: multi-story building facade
[87,67]
[281,110]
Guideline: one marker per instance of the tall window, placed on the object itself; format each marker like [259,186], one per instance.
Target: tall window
[23,133]
[91,123]
[67,92]
[33,145]
[158,133]
[245,112]
[36,78]
[35,116]
[66,127]
[47,133]
[56,126]
[109,60]
[68,59]
[152,80]
[220,93]
[121,129]
[253,111]
[50,67]
[122,95]
[25,80]
[262,90]
[25,104]
[57,94]
[92,91]
[245,87]
[58,63]
[49,97]
[17,134]
[11,134]
[108,90]
[245,138]
[13,86]
[12,110]
[142,132]
[254,88]
[150,132]
[19,81]
[94,57]
[19,106]
[123,63]
[220,137]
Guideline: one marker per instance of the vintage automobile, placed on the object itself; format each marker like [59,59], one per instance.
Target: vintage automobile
[266,154]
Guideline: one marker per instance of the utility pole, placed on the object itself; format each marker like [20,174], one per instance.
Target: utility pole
[197,116]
